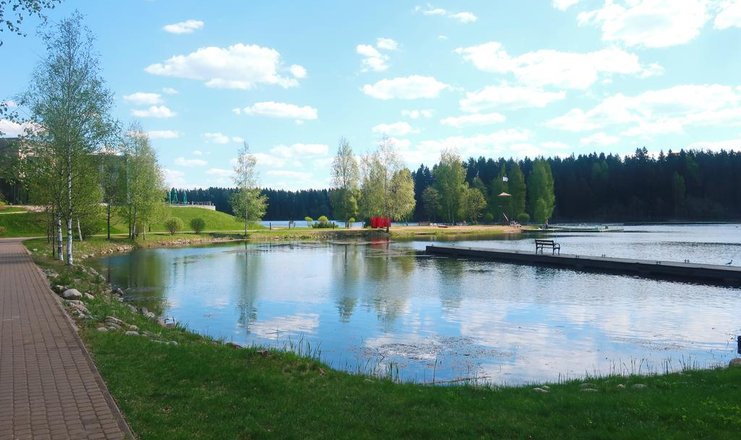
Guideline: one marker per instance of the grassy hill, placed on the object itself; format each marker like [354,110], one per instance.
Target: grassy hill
[26,224]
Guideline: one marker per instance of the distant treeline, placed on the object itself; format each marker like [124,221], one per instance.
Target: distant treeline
[688,185]
[692,185]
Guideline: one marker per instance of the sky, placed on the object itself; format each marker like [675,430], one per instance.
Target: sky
[492,78]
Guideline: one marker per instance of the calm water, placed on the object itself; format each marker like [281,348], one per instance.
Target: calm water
[380,306]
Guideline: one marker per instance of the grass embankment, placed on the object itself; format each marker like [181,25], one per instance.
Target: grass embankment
[201,388]
[28,224]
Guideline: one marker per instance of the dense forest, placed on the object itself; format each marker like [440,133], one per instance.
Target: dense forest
[688,185]
[673,186]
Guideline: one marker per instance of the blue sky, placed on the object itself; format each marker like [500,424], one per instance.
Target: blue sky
[494,78]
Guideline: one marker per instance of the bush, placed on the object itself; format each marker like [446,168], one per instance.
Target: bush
[488,218]
[323,222]
[173,224]
[198,225]
[350,221]
[309,221]
[523,218]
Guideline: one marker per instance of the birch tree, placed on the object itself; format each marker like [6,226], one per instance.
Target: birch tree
[69,106]
[144,189]
[247,202]
[345,177]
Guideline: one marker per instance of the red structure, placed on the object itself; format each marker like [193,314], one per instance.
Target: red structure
[380,222]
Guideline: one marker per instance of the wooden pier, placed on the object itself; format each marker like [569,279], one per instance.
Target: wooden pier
[693,272]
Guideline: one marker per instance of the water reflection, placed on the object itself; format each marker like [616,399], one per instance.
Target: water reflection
[374,305]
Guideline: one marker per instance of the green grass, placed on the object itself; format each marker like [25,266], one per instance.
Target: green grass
[215,220]
[28,224]
[5,209]
[33,224]
[202,389]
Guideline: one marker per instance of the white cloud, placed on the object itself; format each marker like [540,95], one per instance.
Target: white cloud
[220,138]
[730,144]
[183,162]
[417,114]
[240,66]
[163,134]
[274,109]
[462,17]
[373,58]
[649,23]
[599,139]
[395,129]
[13,129]
[143,98]
[386,44]
[174,178]
[155,111]
[492,144]
[297,71]
[410,87]
[219,172]
[563,5]
[492,97]
[184,27]
[571,70]
[659,111]
[291,180]
[729,15]
[473,120]
[197,153]
[299,151]
[169,91]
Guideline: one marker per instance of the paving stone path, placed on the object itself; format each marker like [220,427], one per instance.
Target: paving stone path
[49,386]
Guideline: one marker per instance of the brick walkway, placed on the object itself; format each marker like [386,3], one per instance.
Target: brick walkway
[49,387]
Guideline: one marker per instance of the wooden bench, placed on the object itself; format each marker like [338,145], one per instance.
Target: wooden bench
[542,244]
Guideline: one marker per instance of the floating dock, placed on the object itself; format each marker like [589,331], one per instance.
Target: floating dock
[693,272]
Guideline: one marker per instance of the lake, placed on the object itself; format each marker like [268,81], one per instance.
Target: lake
[386,308]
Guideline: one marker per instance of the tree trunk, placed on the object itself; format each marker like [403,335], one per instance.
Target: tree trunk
[70,259]
[109,220]
[79,229]
[60,252]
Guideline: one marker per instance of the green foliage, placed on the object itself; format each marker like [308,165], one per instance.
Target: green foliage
[197,225]
[345,181]
[387,188]
[402,202]
[517,188]
[322,223]
[450,183]
[474,204]
[173,225]
[144,182]
[523,218]
[431,203]
[540,191]
[248,202]
[308,221]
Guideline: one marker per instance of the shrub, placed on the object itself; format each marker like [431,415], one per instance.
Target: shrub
[323,222]
[2,230]
[488,217]
[350,221]
[523,218]
[173,224]
[198,225]
[309,221]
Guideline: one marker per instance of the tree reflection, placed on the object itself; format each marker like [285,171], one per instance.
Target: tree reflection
[249,263]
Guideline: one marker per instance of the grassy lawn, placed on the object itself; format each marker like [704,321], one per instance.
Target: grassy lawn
[202,389]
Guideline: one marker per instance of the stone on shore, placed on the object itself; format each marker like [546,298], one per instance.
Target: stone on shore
[71,294]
